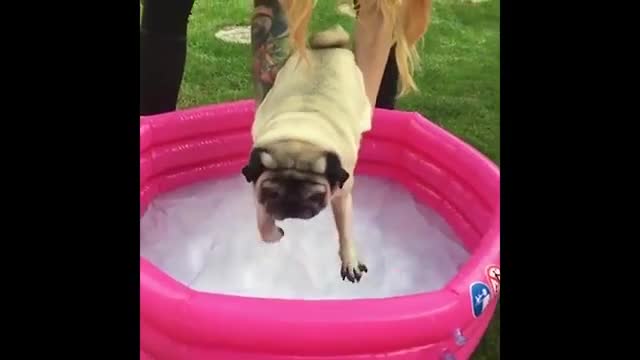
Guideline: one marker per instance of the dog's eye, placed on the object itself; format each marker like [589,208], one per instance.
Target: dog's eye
[319,197]
[269,194]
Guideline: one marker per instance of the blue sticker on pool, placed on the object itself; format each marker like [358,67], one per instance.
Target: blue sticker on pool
[480,297]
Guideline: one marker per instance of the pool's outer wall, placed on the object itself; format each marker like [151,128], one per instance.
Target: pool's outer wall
[448,175]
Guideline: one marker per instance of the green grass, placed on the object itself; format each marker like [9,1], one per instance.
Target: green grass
[459,80]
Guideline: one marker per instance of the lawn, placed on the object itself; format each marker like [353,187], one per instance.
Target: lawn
[459,81]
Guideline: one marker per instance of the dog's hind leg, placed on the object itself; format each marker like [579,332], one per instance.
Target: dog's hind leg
[352,269]
[269,232]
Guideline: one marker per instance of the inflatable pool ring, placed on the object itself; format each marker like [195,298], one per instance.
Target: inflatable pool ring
[463,186]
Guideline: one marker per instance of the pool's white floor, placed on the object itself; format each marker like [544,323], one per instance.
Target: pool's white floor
[205,236]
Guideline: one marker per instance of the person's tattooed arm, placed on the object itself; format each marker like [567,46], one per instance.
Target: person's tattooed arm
[269,44]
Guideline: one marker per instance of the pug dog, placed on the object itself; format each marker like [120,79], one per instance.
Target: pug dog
[306,137]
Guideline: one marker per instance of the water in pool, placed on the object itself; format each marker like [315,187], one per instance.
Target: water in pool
[205,236]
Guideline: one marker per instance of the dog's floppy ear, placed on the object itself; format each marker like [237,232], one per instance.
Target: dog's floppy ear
[259,160]
[334,172]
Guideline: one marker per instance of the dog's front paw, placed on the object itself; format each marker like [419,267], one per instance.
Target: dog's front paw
[353,272]
[352,269]
[273,236]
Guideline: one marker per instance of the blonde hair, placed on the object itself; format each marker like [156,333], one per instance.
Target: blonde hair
[409,20]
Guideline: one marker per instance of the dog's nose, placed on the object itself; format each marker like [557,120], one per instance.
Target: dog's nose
[291,199]
[292,209]
[298,212]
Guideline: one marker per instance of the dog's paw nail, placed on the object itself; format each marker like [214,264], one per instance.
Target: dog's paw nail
[353,273]
[280,231]
[346,274]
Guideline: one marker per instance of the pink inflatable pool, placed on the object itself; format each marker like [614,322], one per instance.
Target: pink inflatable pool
[177,323]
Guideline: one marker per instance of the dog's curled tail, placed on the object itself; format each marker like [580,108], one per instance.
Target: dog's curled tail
[336,37]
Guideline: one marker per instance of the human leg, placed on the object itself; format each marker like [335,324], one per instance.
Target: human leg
[269,44]
[375,54]
[163,48]
[388,92]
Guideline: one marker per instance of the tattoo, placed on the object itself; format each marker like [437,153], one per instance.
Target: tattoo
[269,44]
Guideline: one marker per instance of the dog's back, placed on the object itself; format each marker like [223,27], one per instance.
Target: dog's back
[320,100]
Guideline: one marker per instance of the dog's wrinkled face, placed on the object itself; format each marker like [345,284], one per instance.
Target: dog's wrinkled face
[294,180]
[292,194]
